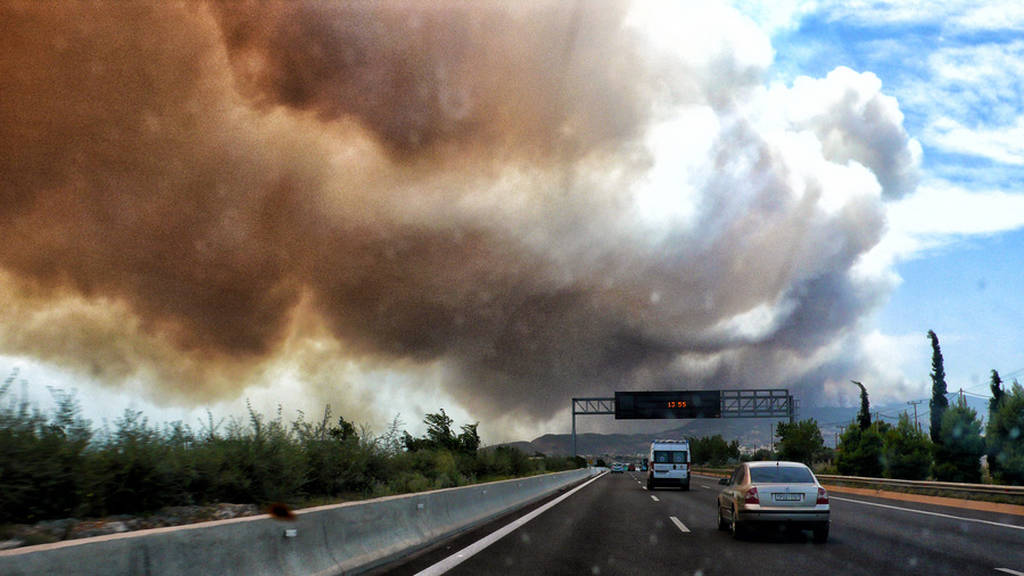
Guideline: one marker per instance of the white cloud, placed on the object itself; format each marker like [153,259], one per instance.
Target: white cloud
[1003,144]
[945,210]
[937,215]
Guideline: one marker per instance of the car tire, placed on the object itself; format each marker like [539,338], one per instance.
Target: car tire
[685,486]
[821,534]
[722,524]
[650,483]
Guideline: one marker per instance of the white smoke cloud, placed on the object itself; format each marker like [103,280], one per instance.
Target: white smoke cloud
[502,209]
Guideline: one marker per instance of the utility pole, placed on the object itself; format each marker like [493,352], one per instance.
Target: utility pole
[914,403]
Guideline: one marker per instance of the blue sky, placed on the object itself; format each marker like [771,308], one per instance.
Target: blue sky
[955,68]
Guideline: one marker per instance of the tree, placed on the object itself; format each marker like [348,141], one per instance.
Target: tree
[439,430]
[992,442]
[1005,437]
[938,403]
[996,386]
[958,454]
[907,451]
[714,450]
[469,440]
[860,452]
[800,441]
[864,416]
[440,435]
[344,431]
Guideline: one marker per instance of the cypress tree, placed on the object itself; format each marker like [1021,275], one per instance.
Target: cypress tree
[993,441]
[864,416]
[996,385]
[938,403]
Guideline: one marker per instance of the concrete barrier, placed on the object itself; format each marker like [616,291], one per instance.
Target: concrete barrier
[337,539]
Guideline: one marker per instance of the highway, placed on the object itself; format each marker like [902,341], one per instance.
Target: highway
[614,526]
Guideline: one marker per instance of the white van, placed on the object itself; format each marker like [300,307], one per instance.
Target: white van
[669,464]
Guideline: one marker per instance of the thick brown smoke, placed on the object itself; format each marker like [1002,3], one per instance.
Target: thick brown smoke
[436,181]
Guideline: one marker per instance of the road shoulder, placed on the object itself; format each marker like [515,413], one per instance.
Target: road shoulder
[936,500]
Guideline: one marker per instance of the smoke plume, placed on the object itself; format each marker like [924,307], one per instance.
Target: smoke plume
[539,197]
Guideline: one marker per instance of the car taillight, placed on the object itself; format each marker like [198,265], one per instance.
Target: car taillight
[751,496]
[822,496]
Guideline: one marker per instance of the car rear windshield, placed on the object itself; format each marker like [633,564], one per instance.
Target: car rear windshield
[670,456]
[782,474]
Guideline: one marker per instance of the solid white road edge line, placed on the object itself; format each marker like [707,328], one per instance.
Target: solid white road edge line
[682,527]
[939,514]
[474,548]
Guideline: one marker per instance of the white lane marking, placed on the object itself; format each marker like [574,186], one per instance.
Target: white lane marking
[939,514]
[476,547]
[1008,571]
[703,486]
[682,527]
[644,487]
[655,498]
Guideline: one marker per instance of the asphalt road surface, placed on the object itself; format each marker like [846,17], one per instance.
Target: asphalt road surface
[614,526]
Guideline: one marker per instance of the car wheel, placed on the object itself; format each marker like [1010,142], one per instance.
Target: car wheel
[821,534]
[650,483]
[737,529]
[722,524]
[685,487]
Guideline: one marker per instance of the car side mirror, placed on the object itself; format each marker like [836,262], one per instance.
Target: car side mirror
[724,481]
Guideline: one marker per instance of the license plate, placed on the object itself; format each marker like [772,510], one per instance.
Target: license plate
[788,497]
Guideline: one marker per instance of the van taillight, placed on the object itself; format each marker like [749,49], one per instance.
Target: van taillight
[822,496]
[751,496]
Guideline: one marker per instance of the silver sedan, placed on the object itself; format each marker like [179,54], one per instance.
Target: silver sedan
[786,493]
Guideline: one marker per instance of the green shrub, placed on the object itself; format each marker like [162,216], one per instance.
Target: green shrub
[907,451]
[54,466]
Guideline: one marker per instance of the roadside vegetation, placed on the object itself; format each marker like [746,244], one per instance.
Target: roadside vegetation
[713,451]
[950,451]
[57,465]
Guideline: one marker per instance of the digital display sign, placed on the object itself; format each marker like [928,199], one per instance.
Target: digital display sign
[668,404]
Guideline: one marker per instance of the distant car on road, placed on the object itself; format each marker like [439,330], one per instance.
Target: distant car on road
[618,468]
[632,467]
[773,493]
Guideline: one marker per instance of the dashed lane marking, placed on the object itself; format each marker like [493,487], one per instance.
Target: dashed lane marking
[682,527]
[655,498]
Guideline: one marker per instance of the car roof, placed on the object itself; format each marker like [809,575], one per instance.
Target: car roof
[766,463]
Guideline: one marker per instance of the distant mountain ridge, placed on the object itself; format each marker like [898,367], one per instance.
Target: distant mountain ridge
[751,433]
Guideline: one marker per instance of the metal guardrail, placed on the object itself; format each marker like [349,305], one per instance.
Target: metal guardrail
[925,485]
[992,492]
